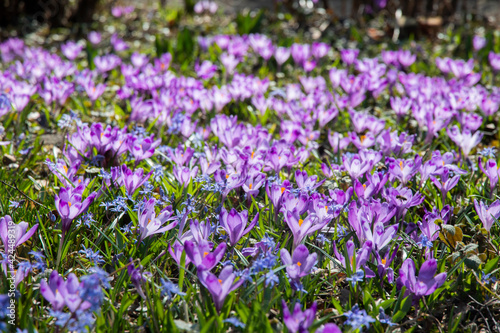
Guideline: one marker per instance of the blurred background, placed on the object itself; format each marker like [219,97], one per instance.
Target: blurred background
[317,19]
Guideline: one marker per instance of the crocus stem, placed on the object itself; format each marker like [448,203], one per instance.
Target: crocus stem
[59,251]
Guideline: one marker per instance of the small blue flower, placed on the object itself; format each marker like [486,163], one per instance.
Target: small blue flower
[104,174]
[169,288]
[322,239]
[487,278]
[234,321]
[91,255]
[158,172]
[384,319]
[488,152]
[357,277]
[271,279]
[126,229]
[357,318]
[14,204]
[425,242]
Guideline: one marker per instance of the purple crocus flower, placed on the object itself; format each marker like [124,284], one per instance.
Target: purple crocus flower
[337,141]
[302,228]
[384,264]
[133,179]
[229,61]
[94,37]
[405,58]
[137,277]
[206,70]
[429,226]
[60,293]
[329,328]
[253,184]
[281,54]
[275,193]
[404,170]
[306,183]
[118,43]
[142,148]
[425,284]
[300,263]
[372,187]
[21,232]
[361,257]
[465,139]
[478,42]
[299,321]
[107,63]
[446,183]
[71,50]
[491,170]
[300,53]
[94,91]
[379,236]
[69,204]
[319,50]
[403,198]
[180,155]
[348,56]
[486,214]
[219,287]
[356,167]
[401,106]
[200,255]
[150,224]
[234,223]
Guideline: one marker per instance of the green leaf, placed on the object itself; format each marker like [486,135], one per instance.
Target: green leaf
[402,309]
[473,262]
[491,265]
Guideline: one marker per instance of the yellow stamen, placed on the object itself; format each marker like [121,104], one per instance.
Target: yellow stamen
[300,222]
[227,176]
[250,186]
[384,261]
[282,190]
[326,208]
[252,154]
[149,221]
[65,168]
[362,138]
[79,181]
[220,281]
[205,254]
[401,165]
[364,185]
[299,264]
[69,204]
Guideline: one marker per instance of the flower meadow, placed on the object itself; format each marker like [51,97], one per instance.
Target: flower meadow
[220,182]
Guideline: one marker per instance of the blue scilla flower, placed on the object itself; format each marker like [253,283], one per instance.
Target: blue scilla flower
[234,321]
[357,318]
[356,277]
[384,319]
[271,279]
[168,288]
